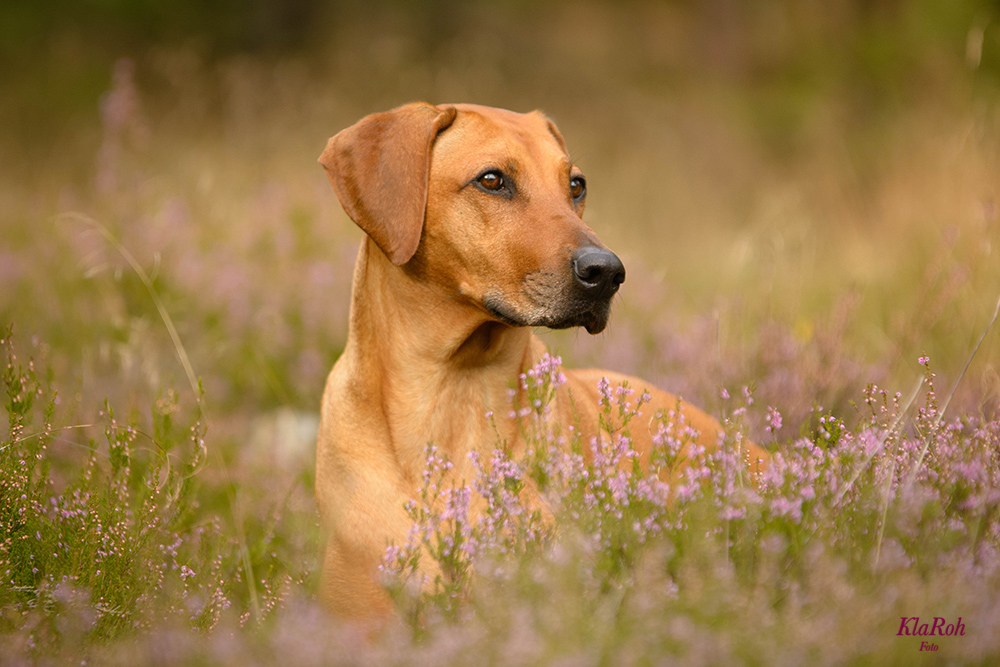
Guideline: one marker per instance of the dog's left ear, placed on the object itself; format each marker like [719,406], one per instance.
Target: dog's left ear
[379,168]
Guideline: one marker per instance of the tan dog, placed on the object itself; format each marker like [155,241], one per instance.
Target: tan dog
[473,216]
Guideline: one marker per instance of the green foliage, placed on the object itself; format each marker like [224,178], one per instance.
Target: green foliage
[117,544]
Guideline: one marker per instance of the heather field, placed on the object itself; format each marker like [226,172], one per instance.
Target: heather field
[807,203]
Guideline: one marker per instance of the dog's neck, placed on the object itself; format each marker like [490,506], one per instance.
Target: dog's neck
[417,324]
[425,349]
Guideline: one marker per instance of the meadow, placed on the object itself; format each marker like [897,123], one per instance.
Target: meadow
[807,208]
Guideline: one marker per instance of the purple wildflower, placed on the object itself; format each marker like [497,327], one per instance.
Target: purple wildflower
[773,420]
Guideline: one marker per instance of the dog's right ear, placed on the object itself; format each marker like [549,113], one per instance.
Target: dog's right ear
[379,168]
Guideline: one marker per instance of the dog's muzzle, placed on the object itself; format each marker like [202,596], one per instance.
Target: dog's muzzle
[581,299]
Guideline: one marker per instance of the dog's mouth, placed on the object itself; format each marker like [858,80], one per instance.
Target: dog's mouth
[578,295]
[592,316]
[593,322]
[499,309]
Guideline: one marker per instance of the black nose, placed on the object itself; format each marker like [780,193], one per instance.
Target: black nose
[598,271]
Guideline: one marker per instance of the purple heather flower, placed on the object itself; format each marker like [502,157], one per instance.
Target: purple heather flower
[773,420]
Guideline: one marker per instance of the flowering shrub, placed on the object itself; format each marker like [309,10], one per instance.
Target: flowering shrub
[569,548]
[101,547]
[872,503]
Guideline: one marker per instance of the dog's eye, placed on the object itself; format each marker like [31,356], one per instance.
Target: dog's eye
[577,187]
[492,181]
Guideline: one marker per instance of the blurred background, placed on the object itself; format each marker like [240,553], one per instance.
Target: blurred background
[805,194]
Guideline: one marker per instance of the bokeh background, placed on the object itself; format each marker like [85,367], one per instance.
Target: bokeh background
[805,196]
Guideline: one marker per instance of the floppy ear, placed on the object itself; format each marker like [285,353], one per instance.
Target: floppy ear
[379,168]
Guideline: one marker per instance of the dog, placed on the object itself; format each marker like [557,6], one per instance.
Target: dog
[473,217]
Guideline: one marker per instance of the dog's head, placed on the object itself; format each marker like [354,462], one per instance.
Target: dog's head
[482,203]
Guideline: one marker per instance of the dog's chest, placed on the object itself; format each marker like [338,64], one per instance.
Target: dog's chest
[459,414]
